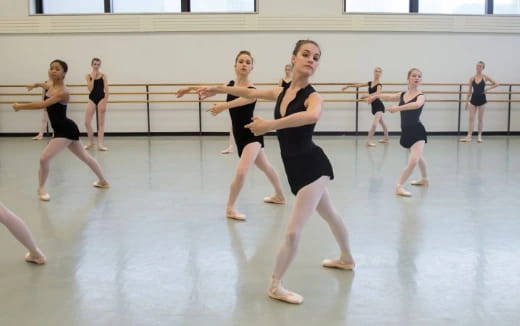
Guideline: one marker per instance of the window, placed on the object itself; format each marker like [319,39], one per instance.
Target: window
[394,6]
[506,7]
[470,7]
[148,6]
[73,7]
[222,5]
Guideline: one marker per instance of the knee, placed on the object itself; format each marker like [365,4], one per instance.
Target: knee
[44,160]
[292,238]
[414,160]
[240,175]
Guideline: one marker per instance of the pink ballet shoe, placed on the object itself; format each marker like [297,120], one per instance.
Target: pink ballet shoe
[370,144]
[102,148]
[420,182]
[337,263]
[384,141]
[278,292]
[274,200]
[479,140]
[236,216]
[44,196]
[400,191]
[35,260]
[227,150]
[99,184]
[89,146]
[37,137]
[465,140]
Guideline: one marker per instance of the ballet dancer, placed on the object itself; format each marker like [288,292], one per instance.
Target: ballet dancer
[249,147]
[66,133]
[477,93]
[97,85]
[298,109]
[21,232]
[286,79]
[378,108]
[413,133]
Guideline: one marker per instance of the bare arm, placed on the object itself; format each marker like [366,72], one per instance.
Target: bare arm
[45,85]
[105,83]
[383,97]
[62,96]
[238,102]
[251,93]
[409,106]
[314,105]
[494,84]
[90,82]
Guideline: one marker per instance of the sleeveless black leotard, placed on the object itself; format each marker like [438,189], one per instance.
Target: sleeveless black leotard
[412,130]
[63,127]
[478,97]
[285,84]
[241,116]
[98,90]
[377,105]
[303,160]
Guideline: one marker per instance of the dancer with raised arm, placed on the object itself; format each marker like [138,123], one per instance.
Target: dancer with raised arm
[21,232]
[97,84]
[378,108]
[66,132]
[476,100]
[298,108]
[249,147]
[413,133]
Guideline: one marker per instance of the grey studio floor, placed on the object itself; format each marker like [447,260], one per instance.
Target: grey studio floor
[156,249]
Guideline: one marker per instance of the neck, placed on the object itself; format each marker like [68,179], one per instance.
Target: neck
[376,80]
[299,81]
[241,80]
[412,89]
[287,76]
[57,83]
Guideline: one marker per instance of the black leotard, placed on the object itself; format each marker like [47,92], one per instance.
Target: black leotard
[285,84]
[377,105]
[63,127]
[241,116]
[412,130]
[478,97]
[303,160]
[98,90]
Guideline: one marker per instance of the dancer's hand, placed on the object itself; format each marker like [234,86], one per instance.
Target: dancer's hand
[345,88]
[393,109]
[31,87]
[16,106]
[207,91]
[259,126]
[217,108]
[184,90]
[368,98]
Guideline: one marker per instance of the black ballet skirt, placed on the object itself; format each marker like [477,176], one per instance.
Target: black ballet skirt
[63,127]
[303,160]
[377,105]
[412,130]
[241,116]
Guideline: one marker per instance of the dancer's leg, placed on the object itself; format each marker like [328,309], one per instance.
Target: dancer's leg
[52,148]
[43,126]
[21,232]
[385,131]
[102,108]
[307,200]
[265,166]
[424,181]
[372,130]
[78,150]
[248,157]
[480,122]
[415,154]
[89,113]
[229,149]
[471,123]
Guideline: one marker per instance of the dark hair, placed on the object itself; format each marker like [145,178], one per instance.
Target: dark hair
[244,52]
[62,63]
[482,63]
[300,43]
[95,59]
[412,70]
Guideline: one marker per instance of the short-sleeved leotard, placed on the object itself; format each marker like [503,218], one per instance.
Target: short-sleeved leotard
[98,90]
[478,97]
[241,116]
[377,105]
[412,130]
[303,160]
[63,127]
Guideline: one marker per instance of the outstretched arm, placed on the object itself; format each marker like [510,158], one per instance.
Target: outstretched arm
[494,84]
[62,96]
[311,115]
[354,85]
[383,97]
[238,102]
[409,106]
[251,93]
[45,85]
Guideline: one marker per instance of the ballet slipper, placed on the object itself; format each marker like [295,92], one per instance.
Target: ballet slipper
[227,150]
[384,141]
[337,263]
[420,182]
[236,216]
[370,144]
[35,260]
[89,146]
[99,184]
[274,200]
[278,292]
[44,196]
[102,148]
[465,140]
[400,191]
[479,140]
[37,137]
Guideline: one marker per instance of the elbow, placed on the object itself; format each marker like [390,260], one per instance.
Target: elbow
[313,118]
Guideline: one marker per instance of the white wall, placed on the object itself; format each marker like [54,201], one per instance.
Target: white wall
[207,56]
